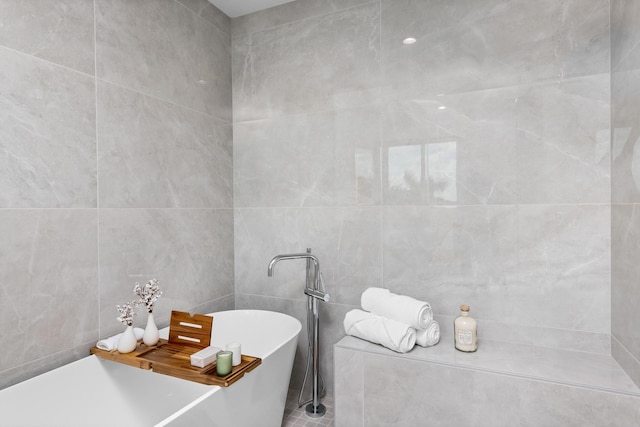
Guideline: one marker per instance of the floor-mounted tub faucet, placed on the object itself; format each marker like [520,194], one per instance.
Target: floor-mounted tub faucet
[314,292]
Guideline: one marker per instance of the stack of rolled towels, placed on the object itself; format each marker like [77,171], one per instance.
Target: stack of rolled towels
[398,322]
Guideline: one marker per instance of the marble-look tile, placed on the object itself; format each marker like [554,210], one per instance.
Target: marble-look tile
[60,31]
[449,256]
[564,268]
[574,368]
[450,149]
[331,331]
[462,46]
[625,37]
[52,296]
[625,184]
[571,368]
[48,282]
[163,318]
[318,64]
[287,13]
[565,339]
[207,11]
[541,143]
[325,159]
[625,149]
[190,252]
[345,240]
[349,387]
[162,49]
[529,118]
[224,303]
[155,154]
[564,141]
[546,143]
[625,290]
[445,395]
[627,361]
[47,135]
[545,266]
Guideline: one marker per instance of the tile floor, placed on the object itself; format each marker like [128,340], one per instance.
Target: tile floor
[296,417]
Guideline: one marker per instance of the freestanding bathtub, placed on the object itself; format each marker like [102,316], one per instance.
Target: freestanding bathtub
[97,392]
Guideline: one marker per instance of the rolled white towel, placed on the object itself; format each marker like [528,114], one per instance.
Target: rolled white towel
[371,327]
[401,308]
[111,343]
[428,336]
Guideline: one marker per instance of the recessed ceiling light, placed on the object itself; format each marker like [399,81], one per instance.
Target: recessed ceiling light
[409,40]
[442,107]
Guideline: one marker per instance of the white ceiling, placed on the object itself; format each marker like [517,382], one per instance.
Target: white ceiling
[235,8]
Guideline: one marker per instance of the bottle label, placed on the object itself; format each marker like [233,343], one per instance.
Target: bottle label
[465,337]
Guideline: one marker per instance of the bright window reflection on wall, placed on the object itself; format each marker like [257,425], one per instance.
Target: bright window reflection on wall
[441,166]
[406,172]
[425,172]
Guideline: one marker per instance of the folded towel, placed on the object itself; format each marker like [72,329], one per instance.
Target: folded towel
[111,343]
[428,336]
[371,327]
[400,308]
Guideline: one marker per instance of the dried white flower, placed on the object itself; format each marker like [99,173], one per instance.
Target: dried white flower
[148,294]
[126,312]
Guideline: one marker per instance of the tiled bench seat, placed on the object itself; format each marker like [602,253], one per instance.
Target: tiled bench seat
[502,384]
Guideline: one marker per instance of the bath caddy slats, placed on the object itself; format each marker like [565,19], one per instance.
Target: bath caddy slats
[173,357]
[192,331]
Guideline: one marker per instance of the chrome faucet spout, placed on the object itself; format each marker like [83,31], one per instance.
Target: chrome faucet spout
[283,257]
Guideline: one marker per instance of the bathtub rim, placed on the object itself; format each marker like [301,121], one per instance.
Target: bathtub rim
[204,392]
[164,332]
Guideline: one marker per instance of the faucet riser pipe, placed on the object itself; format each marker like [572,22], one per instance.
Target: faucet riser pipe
[315,409]
[312,290]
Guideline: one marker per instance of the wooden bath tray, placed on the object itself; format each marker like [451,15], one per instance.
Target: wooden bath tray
[174,360]
[173,357]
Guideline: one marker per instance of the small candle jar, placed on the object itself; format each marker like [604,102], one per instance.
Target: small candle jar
[223,363]
[235,349]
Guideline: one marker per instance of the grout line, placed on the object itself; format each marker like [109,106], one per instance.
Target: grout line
[95,82]
[297,417]
[199,16]
[298,20]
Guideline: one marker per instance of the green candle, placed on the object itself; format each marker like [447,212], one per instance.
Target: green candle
[223,362]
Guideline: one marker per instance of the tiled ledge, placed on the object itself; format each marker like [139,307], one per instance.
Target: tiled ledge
[580,369]
[629,363]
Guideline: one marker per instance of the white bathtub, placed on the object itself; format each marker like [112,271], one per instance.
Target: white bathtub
[96,392]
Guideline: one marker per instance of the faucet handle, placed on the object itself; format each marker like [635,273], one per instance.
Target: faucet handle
[316,294]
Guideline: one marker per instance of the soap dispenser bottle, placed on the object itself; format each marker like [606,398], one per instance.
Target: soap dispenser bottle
[465,331]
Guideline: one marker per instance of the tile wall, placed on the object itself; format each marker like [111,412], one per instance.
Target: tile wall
[625,176]
[115,142]
[472,166]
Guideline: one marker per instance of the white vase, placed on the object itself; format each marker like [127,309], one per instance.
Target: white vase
[151,335]
[127,341]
